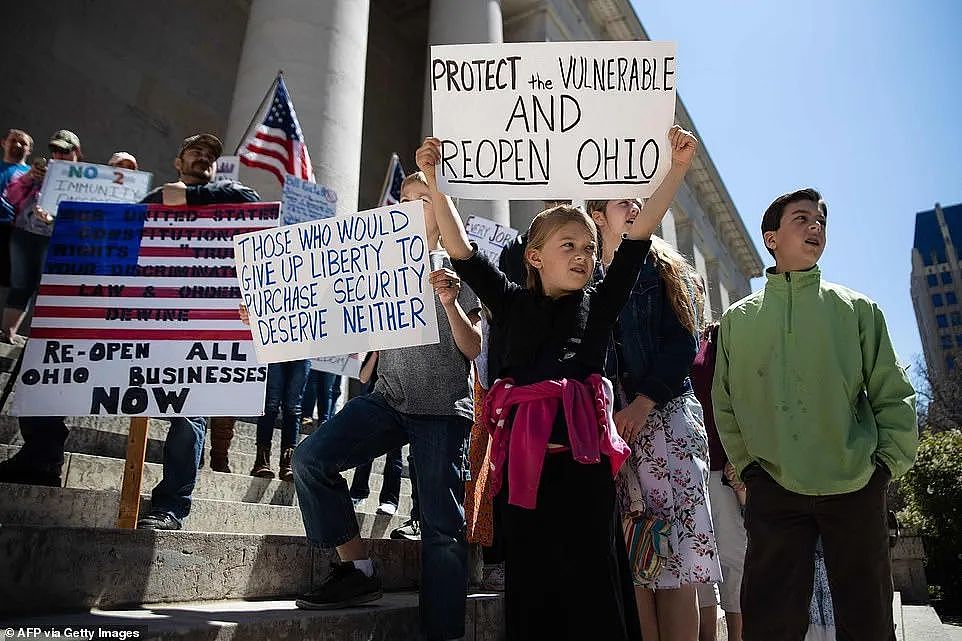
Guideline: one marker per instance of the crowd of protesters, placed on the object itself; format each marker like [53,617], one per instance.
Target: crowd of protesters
[627,466]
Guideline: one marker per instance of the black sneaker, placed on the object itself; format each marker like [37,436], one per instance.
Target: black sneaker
[159,521]
[410,531]
[345,586]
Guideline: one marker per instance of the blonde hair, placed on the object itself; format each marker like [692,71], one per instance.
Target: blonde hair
[545,224]
[679,277]
[416,177]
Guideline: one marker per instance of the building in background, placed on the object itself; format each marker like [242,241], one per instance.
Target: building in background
[936,286]
[142,76]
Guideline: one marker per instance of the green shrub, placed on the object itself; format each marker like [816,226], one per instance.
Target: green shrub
[933,507]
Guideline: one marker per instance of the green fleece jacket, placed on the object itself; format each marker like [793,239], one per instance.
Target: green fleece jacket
[808,386]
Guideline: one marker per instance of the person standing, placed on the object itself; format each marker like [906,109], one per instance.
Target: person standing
[817,416]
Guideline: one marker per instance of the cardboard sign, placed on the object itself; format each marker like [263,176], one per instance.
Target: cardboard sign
[137,315]
[302,201]
[228,169]
[86,182]
[553,119]
[344,365]
[491,237]
[339,285]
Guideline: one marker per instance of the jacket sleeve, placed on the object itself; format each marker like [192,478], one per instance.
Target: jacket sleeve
[676,352]
[487,281]
[221,193]
[889,393]
[721,396]
[613,291]
[18,190]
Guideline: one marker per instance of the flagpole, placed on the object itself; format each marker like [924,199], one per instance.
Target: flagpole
[260,107]
[387,177]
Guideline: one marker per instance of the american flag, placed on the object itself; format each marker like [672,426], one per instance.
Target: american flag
[277,144]
[145,272]
[392,182]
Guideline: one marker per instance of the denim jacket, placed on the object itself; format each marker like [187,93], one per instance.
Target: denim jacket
[655,351]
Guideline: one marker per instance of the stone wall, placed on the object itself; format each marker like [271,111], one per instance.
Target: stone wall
[132,76]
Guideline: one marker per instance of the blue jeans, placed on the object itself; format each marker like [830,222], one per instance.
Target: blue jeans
[391,485]
[183,449]
[366,428]
[28,252]
[285,389]
[323,389]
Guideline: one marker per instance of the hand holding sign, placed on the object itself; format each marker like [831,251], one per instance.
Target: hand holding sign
[427,158]
[447,285]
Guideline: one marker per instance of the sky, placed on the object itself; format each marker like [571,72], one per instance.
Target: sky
[861,100]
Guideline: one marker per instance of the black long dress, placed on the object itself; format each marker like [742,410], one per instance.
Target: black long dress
[566,569]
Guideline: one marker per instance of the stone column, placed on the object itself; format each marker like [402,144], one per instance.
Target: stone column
[465,22]
[714,289]
[322,48]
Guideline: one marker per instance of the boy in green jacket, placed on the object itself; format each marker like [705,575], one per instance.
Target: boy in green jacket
[817,416]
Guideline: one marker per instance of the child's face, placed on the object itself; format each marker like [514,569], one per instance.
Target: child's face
[617,218]
[800,239]
[416,191]
[567,260]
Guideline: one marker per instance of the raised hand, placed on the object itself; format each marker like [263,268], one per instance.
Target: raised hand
[428,156]
[683,146]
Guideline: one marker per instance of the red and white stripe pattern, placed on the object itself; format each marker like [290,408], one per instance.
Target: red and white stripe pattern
[277,144]
[185,287]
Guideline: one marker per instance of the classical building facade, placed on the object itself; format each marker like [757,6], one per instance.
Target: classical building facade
[936,286]
[141,76]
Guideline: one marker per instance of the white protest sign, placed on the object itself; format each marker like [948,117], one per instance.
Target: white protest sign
[338,285]
[90,183]
[344,365]
[302,201]
[137,314]
[227,169]
[553,119]
[491,237]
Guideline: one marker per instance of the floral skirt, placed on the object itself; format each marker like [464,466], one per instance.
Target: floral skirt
[670,458]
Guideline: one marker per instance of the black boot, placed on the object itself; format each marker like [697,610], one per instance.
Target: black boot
[262,463]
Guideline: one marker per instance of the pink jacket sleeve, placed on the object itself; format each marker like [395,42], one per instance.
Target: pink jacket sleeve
[19,189]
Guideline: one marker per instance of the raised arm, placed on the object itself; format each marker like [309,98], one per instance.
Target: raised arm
[453,236]
[683,145]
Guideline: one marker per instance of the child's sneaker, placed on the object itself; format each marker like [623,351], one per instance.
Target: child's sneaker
[345,586]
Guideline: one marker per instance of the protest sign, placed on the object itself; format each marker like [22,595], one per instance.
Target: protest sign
[86,182]
[553,119]
[339,285]
[344,365]
[227,169]
[491,237]
[302,201]
[137,314]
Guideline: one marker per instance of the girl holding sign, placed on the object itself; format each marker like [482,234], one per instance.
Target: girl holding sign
[657,340]
[550,412]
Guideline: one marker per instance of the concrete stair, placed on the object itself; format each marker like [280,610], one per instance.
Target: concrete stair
[232,573]
[392,618]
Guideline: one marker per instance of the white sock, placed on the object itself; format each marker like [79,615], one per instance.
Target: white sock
[366,566]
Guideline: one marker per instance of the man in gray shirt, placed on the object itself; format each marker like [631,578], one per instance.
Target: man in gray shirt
[423,396]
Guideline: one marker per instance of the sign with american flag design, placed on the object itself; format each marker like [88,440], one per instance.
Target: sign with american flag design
[137,314]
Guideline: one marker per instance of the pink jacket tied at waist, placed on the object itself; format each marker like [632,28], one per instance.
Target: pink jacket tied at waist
[591,430]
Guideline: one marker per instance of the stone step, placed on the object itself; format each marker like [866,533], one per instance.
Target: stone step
[82,508]
[53,569]
[108,438]
[923,622]
[392,618]
[86,471]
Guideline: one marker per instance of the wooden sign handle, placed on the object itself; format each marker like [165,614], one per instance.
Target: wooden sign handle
[133,473]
